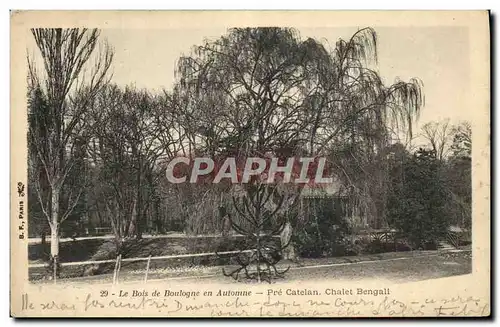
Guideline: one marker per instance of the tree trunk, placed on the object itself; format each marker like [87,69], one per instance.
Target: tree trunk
[54,241]
[44,241]
[139,209]
[132,226]
[286,235]
[54,226]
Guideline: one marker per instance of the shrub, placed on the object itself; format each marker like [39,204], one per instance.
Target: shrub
[327,230]
[417,203]
[375,246]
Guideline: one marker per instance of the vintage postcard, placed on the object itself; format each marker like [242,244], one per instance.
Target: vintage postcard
[250,164]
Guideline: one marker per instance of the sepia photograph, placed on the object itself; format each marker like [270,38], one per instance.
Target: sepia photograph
[258,157]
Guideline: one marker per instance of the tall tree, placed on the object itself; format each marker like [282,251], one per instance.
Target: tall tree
[245,92]
[133,131]
[439,135]
[459,175]
[419,198]
[67,88]
[262,90]
[462,140]
[365,116]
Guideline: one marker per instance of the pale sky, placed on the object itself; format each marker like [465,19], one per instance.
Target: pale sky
[439,56]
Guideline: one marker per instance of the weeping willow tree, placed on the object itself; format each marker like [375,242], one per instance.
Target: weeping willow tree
[358,117]
[267,91]
[244,94]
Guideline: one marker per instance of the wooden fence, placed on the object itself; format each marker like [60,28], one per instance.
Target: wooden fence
[118,261]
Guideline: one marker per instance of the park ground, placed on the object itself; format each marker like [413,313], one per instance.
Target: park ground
[396,267]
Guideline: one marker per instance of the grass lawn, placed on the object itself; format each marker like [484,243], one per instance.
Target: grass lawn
[437,265]
[396,267]
[97,249]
